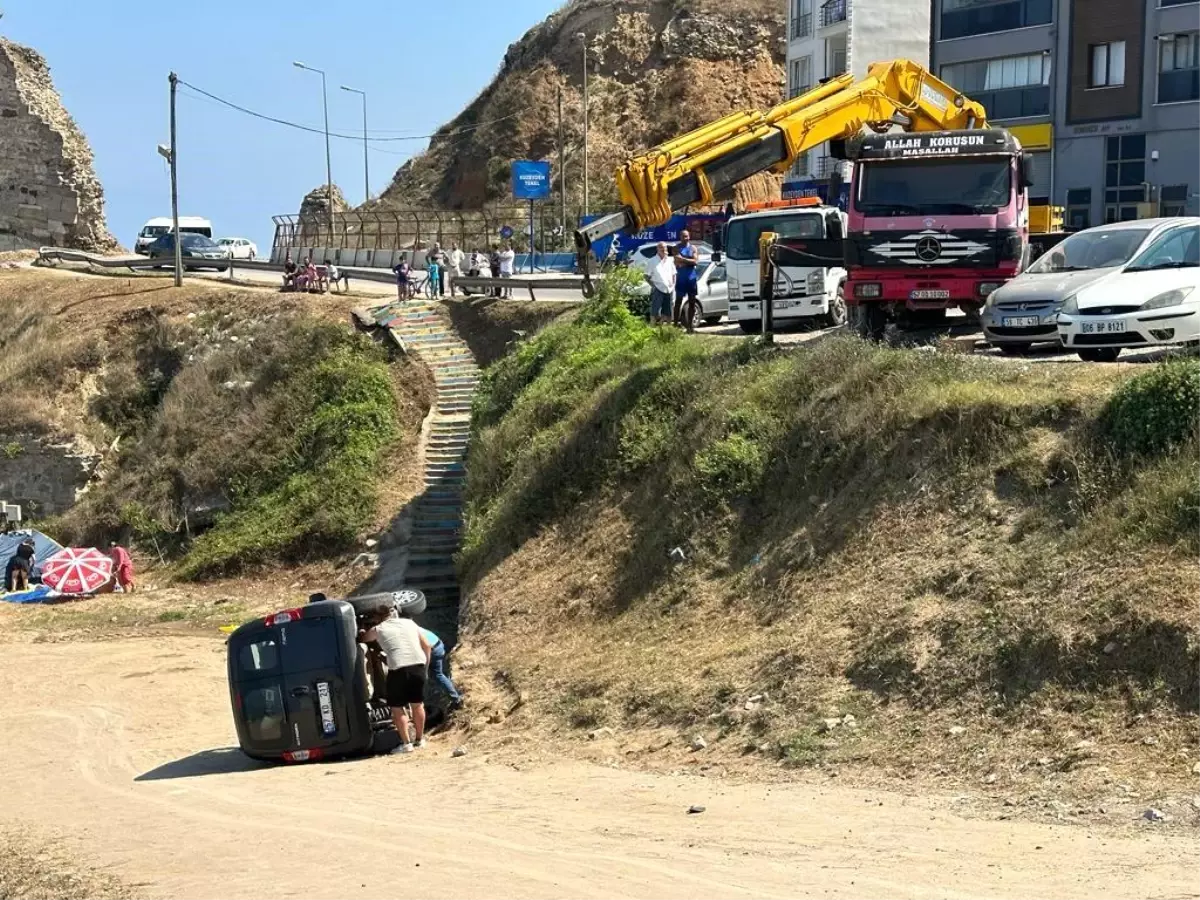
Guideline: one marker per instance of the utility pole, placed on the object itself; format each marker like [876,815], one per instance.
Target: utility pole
[328,163]
[366,165]
[583,40]
[562,173]
[174,160]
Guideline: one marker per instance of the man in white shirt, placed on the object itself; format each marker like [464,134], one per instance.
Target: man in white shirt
[407,652]
[507,257]
[661,276]
[454,264]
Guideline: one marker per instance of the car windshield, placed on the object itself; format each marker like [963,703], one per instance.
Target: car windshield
[741,235]
[930,187]
[1095,249]
[1178,248]
[195,240]
[225,242]
[154,230]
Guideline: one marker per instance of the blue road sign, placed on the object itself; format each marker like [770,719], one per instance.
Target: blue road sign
[506,231]
[530,180]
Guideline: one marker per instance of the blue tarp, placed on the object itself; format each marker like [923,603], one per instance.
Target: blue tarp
[43,547]
[39,593]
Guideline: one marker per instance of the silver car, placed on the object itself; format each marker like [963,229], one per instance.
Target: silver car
[1024,311]
[712,290]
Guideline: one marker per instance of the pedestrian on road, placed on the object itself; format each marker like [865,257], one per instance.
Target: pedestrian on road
[454,264]
[507,257]
[686,258]
[437,667]
[407,654]
[662,277]
[435,262]
[403,271]
[494,265]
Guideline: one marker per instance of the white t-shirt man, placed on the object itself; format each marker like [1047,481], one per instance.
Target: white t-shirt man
[454,259]
[400,641]
[507,256]
[662,274]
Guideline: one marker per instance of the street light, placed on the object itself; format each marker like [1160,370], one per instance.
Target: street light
[366,169]
[583,40]
[328,163]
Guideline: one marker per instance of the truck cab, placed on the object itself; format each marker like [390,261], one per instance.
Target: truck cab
[802,292]
[936,220]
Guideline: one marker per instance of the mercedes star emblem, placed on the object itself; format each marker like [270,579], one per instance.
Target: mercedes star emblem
[928,249]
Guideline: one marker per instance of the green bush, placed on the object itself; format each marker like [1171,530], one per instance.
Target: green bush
[1155,411]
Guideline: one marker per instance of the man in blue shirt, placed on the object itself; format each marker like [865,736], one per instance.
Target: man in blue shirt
[437,667]
[685,278]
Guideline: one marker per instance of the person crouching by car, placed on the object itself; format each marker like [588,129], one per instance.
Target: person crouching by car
[407,654]
[437,667]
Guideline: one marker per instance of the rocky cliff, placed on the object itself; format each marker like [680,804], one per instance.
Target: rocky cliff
[657,68]
[49,193]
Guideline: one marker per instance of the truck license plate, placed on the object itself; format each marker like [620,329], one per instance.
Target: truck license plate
[328,726]
[1020,321]
[1117,327]
[929,294]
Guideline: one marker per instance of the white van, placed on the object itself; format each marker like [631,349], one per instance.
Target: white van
[801,293]
[156,228]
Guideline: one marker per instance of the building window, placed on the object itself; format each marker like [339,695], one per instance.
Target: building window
[799,76]
[1173,200]
[801,167]
[1079,209]
[1012,87]
[1124,176]
[1106,64]
[1174,2]
[802,20]
[837,61]
[961,18]
[1178,68]
[832,12]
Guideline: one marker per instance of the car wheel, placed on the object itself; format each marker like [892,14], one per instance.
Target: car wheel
[872,321]
[1099,354]
[697,316]
[750,326]
[1013,349]
[837,310]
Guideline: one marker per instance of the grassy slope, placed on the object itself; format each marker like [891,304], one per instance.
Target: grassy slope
[922,541]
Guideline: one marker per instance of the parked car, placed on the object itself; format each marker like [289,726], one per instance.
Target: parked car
[639,257]
[198,251]
[239,248]
[1152,301]
[155,228]
[712,290]
[303,688]
[1024,311]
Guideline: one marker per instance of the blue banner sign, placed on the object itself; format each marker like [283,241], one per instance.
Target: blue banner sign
[530,180]
[702,228]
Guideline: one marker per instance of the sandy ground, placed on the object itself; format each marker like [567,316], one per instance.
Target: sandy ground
[121,750]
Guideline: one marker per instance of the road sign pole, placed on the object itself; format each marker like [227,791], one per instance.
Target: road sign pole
[531,237]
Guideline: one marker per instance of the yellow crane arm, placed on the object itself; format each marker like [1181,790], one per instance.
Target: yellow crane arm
[694,168]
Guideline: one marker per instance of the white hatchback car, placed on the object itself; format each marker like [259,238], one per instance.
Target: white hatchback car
[1153,301]
[239,248]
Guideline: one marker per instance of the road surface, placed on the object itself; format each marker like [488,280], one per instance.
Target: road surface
[121,749]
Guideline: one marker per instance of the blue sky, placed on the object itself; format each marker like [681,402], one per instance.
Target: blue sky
[420,64]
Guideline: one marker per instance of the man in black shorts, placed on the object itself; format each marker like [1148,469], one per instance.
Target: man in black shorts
[407,654]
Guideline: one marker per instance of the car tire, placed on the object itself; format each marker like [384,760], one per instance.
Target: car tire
[697,316]
[750,326]
[1013,349]
[1099,354]
[413,601]
[837,310]
[872,321]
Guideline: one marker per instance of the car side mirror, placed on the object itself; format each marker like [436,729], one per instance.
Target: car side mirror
[1027,179]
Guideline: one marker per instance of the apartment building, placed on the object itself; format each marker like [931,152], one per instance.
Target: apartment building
[829,37]
[1105,92]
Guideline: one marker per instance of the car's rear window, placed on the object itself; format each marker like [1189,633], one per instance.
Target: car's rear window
[311,644]
[259,656]
[264,713]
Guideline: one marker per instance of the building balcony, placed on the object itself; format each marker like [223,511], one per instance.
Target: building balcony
[828,165]
[802,26]
[1179,86]
[989,17]
[833,12]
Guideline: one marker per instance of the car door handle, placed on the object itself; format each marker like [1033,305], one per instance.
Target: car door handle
[300,691]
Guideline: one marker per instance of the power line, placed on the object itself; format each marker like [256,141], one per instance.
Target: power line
[346,137]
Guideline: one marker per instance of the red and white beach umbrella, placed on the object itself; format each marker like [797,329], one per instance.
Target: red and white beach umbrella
[77,570]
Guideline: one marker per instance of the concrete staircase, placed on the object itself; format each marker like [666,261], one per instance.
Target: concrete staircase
[434,523]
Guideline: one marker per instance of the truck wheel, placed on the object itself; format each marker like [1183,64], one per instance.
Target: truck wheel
[872,321]
[750,326]
[837,310]
[1099,354]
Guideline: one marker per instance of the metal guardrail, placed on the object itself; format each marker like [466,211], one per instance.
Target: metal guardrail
[509,284]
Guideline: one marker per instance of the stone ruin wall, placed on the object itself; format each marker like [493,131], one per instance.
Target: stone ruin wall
[49,193]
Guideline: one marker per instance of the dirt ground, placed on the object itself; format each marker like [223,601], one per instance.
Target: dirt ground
[124,755]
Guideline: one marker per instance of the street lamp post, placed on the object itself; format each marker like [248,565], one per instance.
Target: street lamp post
[366,168]
[328,163]
[583,41]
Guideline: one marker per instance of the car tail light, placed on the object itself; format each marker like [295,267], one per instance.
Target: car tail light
[302,755]
[283,617]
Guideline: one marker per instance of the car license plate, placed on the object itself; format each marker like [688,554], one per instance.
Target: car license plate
[1114,327]
[1020,321]
[328,726]
[929,294]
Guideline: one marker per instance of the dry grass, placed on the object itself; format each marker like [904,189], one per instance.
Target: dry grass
[492,326]
[41,870]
